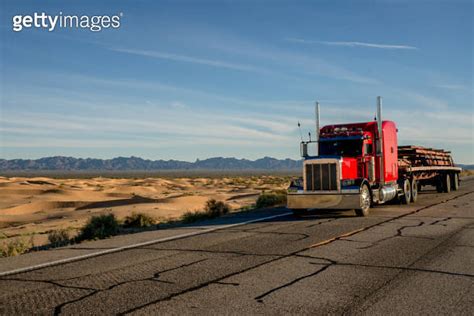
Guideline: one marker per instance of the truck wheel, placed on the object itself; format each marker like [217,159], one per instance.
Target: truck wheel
[455,184]
[447,183]
[364,201]
[439,185]
[406,196]
[414,190]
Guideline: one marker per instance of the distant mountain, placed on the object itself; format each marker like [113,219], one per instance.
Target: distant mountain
[465,167]
[136,163]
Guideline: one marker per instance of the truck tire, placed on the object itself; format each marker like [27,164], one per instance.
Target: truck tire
[406,193]
[455,182]
[447,183]
[365,200]
[439,185]
[414,190]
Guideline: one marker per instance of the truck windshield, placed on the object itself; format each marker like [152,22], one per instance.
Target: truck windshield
[344,147]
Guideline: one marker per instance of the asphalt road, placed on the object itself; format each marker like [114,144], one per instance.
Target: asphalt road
[416,259]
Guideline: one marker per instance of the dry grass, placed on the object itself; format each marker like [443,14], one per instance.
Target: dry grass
[139,220]
[213,209]
[466,173]
[15,247]
[271,199]
[59,237]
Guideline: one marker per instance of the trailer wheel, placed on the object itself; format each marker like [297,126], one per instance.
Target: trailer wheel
[439,185]
[455,184]
[364,201]
[414,190]
[447,183]
[406,196]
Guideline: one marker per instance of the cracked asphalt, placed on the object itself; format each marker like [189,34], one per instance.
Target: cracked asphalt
[415,259]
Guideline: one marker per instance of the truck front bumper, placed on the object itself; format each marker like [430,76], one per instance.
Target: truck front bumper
[344,199]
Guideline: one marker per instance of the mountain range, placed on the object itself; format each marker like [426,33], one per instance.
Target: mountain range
[136,163]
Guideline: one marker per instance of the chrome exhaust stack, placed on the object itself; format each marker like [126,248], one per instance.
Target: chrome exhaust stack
[380,140]
[317,127]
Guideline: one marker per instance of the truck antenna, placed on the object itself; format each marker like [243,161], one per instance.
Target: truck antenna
[301,134]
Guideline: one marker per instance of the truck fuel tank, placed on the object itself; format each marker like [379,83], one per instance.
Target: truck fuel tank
[387,193]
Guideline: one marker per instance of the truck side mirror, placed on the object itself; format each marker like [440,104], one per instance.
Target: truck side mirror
[304,149]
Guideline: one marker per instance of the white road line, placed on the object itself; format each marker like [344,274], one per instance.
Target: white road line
[146,243]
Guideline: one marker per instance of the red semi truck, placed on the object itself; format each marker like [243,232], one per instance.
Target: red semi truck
[359,165]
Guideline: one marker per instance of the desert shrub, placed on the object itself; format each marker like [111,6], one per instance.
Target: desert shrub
[138,220]
[213,209]
[15,247]
[271,199]
[191,217]
[216,208]
[99,227]
[59,237]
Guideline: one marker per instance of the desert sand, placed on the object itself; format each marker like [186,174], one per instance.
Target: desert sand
[35,206]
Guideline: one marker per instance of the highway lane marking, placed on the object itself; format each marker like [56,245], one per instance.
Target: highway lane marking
[330,240]
[146,243]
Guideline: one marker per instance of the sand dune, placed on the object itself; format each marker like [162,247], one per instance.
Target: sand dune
[38,205]
[41,206]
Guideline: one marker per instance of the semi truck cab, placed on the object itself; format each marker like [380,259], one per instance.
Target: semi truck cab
[356,166]
[356,146]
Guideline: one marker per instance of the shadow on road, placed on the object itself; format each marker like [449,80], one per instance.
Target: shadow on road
[267,215]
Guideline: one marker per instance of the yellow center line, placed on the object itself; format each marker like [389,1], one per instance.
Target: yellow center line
[327,241]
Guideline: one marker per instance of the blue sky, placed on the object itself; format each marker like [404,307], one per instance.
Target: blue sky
[198,79]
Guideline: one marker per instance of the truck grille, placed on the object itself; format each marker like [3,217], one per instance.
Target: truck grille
[321,176]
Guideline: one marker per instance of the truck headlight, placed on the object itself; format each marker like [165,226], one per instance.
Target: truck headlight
[347,182]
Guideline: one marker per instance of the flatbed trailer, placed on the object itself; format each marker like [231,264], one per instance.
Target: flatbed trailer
[359,165]
[428,166]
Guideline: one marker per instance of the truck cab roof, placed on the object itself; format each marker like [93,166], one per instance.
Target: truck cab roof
[353,129]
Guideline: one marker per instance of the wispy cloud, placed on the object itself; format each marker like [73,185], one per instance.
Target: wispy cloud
[137,142]
[201,125]
[426,101]
[452,86]
[299,63]
[351,44]
[177,97]
[194,60]
[439,128]
[277,60]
